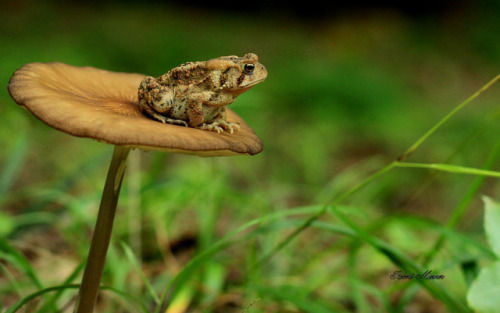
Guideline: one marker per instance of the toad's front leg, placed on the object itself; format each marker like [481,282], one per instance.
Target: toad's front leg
[219,123]
[203,114]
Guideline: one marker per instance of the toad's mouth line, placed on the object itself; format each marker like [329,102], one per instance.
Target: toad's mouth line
[250,84]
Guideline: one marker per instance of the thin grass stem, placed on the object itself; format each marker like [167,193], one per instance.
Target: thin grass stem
[456,169]
[433,129]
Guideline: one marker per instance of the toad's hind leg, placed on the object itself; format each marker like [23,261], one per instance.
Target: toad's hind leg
[168,120]
[164,119]
[156,101]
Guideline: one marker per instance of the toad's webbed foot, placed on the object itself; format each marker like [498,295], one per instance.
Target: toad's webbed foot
[220,126]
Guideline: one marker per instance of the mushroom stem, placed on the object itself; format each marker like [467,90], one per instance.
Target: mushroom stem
[102,234]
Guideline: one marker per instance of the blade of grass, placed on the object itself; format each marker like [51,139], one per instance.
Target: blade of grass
[460,209]
[456,169]
[295,296]
[128,298]
[181,277]
[321,210]
[404,262]
[14,257]
[13,164]
[433,129]
[290,237]
[131,257]
[183,300]
[491,118]
[359,300]
[51,303]
[18,305]
[376,293]
[12,280]
[176,284]
[428,225]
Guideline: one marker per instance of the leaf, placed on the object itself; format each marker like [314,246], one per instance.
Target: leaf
[484,290]
[483,293]
[492,224]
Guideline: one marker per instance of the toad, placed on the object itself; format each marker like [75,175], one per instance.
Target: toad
[195,94]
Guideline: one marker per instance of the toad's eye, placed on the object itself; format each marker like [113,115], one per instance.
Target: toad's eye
[249,68]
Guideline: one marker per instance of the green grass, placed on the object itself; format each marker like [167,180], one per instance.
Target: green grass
[317,222]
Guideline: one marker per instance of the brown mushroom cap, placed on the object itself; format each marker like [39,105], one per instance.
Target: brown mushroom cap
[103,105]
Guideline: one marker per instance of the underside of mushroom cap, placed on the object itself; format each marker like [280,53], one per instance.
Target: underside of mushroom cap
[103,105]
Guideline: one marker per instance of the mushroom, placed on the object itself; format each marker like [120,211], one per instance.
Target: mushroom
[103,105]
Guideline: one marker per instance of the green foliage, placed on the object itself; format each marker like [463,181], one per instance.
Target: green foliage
[316,223]
[492,223]
[483,293]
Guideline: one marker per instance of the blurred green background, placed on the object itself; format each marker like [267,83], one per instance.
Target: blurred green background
[350,87]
